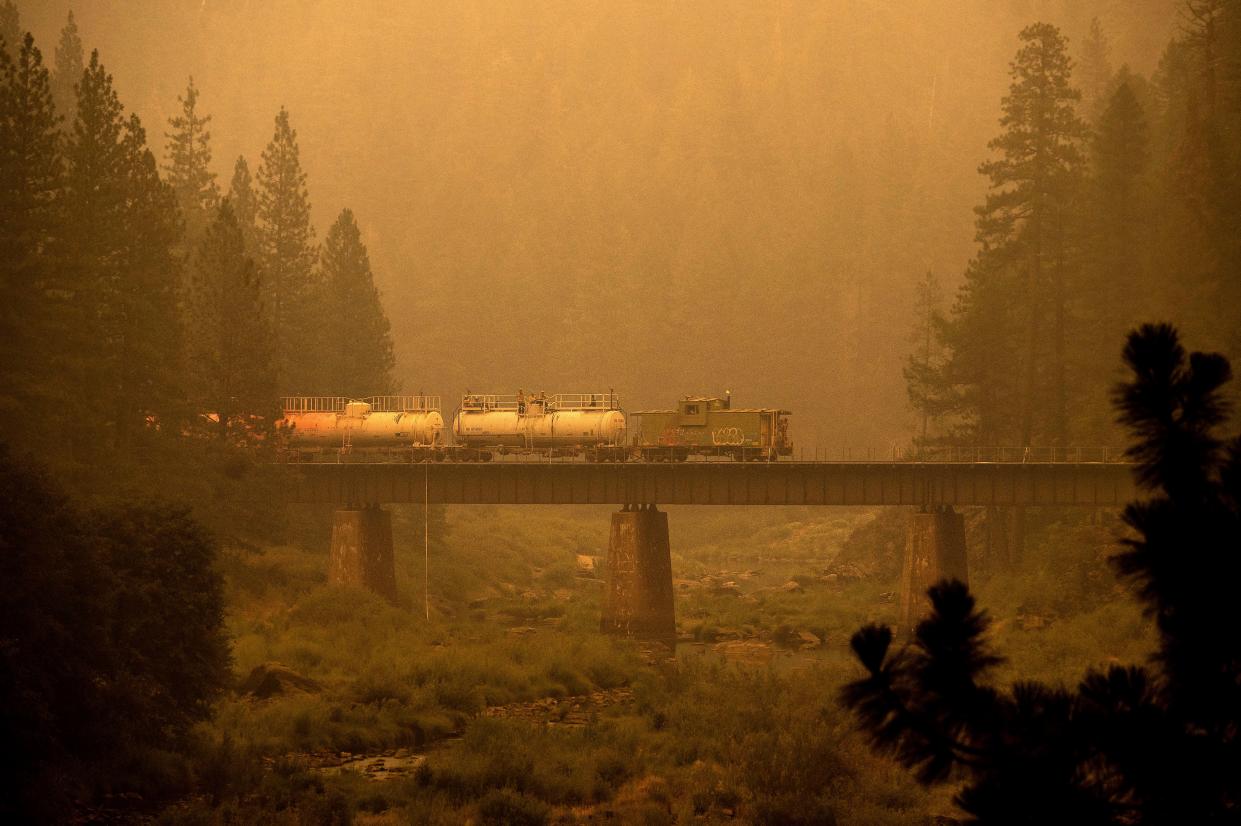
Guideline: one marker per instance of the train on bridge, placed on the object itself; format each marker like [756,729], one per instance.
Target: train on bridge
[485,427]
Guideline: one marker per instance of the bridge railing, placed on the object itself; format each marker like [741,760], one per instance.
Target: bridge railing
[810,455]
[1041,454]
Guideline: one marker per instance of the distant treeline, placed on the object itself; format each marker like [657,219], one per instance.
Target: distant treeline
[1113,199]
[140,300]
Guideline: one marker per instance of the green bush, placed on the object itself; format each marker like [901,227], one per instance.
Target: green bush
[506,808]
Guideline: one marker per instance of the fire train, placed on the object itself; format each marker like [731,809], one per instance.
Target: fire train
[589,426]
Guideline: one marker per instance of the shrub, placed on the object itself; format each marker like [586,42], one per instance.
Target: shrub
[506,808]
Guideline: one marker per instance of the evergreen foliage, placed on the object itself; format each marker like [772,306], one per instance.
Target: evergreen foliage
[68,71]
[114,641]
[1116,283]
[1004,379]
[229,340]
[1096,67]
[119,339]
[241,195]
[1130,744]
[358,359]
[287,257]
[925,360]
[1077,230]
[1022,221]
[30,179]
[189,165]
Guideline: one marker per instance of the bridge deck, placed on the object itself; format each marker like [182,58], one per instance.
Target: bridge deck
[717,483]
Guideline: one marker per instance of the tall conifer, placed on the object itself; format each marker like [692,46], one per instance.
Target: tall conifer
[189,165]
[119,338]
[287,258]
[925,360]
[1012,313]
[229,339]
[69,66]
[358,358]
[30,177]
[1117,283]
[1096,69]
[241,195]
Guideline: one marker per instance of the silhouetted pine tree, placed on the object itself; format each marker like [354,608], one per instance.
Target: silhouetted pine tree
[1116,282]
[922,369]
[241,194]
[68,71]
[358,359]
[1007,335]
[1024,217]
[1096,69]
[150,341]
[287,259]
[229,341]
[1130,745]
[30,178]
[118,341]
[189,166]
[1205,170]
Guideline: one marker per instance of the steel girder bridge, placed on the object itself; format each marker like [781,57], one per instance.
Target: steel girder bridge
[639,598]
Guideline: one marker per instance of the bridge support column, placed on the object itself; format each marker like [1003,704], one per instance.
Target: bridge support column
[934,550]
[361,552]
[638,601]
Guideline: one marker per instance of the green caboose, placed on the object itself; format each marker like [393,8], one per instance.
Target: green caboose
[711,426]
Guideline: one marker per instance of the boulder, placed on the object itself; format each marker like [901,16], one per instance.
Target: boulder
[809,639]
[792,587]
[271,679]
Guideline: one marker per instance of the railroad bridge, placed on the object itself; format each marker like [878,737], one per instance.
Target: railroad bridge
[639,597]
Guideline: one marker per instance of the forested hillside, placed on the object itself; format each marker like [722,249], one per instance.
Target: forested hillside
[1112,199]
[662,198]
[149,312]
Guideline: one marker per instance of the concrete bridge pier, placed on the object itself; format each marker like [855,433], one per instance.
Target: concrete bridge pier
[361,552]
[638,601]
[934,550]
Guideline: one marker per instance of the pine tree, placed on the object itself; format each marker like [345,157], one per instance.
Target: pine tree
[118,340]
[189,165]
[30,178]
[1001,323]
[229,340]
[68,71]
[1096,69]
[1206,170]
[359,357]
[922,370]
[287,258]
[10,28]
[1130,744]
[241,194]
[1116,283]
[151,387]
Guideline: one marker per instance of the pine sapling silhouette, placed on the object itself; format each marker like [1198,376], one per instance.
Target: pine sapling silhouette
[1132,744]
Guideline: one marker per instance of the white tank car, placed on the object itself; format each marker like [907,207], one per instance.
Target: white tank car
[556,422]
[334,423]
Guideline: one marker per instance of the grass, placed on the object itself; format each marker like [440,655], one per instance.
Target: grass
[512,622]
